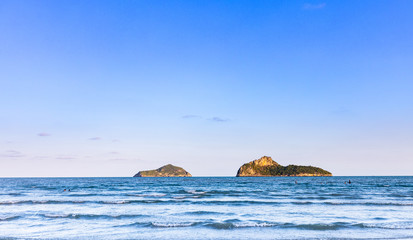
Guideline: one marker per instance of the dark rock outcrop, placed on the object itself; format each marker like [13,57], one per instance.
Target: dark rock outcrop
[165,171]
[266,167]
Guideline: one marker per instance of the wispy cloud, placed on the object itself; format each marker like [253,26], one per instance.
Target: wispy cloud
[66,158]
[95,138]
[218,119]
[191,116]
[12,154]
[40,157]
[43,134]
[213,119]
[117,159]
[311,6]
[342,111]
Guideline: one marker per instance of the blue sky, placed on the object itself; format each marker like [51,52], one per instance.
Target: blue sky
[108,88]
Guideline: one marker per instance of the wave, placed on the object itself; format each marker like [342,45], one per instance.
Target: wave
[370,203]
[196,192]
[322,226]
[235,223]
[212,192]
[398,195]
[184,200]
[180,197]
[89,195]
[88,202]
[92,216]
[238,224]
[172,225]
[204,213]
[174,200]
[146,195]
[40,202]
[5,219]
[312,198]
[12,194]
[392,226]
[302,203]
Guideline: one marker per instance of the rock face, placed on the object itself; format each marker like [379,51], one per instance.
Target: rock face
[165,171]
[266,167]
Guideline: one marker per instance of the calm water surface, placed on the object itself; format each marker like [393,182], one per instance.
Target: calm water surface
[207,208]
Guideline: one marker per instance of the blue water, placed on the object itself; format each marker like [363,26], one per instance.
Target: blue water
[207,208]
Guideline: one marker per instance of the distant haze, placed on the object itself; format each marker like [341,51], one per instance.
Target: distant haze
[109,88]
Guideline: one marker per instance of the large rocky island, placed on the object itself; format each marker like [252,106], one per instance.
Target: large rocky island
[165,171]
[266,167]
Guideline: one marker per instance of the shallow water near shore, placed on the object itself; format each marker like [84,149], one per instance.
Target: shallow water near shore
[207,208]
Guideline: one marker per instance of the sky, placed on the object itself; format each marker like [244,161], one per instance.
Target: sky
[109,88]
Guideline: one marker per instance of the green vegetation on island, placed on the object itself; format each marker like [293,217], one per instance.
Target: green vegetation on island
[165,171]
[266,167]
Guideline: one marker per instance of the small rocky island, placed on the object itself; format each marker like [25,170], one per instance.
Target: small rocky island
[165,171]
[266,167]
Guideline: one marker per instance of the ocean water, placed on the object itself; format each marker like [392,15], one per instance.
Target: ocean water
[207,208]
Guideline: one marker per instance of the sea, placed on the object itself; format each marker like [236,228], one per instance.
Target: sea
[207,208]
